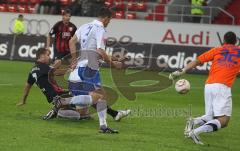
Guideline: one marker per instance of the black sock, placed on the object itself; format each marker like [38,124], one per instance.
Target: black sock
[111,112]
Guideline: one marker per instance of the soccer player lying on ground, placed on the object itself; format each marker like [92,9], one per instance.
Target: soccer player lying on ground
[39,75]
[218,98]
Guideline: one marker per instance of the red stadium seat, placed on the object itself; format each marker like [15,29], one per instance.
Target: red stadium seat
[131,5]
[149,17]
[238,21]
[159,17]
[31,8]
[3,8]
[120,5]
[23,1]
[141,6]
[12,1]
[65,2]
[119,15]
[34,1]
[12,8]
[109,3]
[131,16]
[22,8]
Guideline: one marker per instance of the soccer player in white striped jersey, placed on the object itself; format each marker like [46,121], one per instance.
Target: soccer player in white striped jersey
[91,37]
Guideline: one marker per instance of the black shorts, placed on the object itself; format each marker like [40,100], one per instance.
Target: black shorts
[60,55]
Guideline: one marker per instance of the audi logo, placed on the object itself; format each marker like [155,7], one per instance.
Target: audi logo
[33,26]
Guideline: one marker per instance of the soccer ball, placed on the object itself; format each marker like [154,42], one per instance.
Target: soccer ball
[182,86]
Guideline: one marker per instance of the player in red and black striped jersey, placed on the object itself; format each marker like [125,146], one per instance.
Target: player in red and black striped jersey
[63,31]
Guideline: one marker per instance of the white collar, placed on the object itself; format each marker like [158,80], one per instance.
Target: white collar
[98,22]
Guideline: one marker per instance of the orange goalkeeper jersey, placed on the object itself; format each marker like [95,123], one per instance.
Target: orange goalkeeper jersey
[225,64]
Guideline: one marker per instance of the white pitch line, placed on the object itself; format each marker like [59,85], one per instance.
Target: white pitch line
[6,84]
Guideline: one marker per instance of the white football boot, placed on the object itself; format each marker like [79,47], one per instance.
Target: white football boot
[121,114]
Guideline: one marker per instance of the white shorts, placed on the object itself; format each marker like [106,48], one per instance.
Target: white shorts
[218,100]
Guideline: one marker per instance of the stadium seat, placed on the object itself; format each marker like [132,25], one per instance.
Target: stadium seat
[149,17]
[238,21]
[159,17]
[3,8]
[12,1]
[12,8]
[23,1]
[119,15]
[120,6]
[141,6]
[65,2]
[131,5]
[23,8]
[31,8]
[108,3]
[34,1]
[131,16]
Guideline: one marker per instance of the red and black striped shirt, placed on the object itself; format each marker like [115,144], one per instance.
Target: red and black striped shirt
[63,34]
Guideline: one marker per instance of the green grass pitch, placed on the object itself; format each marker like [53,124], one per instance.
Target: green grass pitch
[157,121]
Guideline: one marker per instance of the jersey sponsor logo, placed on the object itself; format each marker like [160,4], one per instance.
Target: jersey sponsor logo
[3,49]
[33,26]
[66,35]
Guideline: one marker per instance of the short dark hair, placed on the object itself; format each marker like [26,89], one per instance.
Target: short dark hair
[20,16]
[105,12]
[230,38]
[40,52]
[66,11]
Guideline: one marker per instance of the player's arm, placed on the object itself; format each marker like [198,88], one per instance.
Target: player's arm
[205,57]
[108,60]
[101,49]
[52,32]
[120,58]
[26,90]
[48,41]
[72,45]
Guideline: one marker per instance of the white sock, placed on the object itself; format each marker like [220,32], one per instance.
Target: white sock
[81,100]
[202,120]
[102,112]
[210,126]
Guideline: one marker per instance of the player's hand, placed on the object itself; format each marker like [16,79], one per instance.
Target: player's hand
[176,74]
[20,103]
[124,58]
[117,64]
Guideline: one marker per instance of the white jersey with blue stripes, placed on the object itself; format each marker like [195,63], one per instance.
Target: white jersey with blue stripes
[91,37]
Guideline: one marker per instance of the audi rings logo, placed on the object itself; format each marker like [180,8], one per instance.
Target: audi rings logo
[33,26]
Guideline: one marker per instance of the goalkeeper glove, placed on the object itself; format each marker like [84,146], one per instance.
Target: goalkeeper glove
[177,74]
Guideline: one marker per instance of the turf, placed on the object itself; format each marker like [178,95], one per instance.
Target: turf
[156,123]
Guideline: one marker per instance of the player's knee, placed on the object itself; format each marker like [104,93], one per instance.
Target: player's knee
[96,96]
[224,120]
